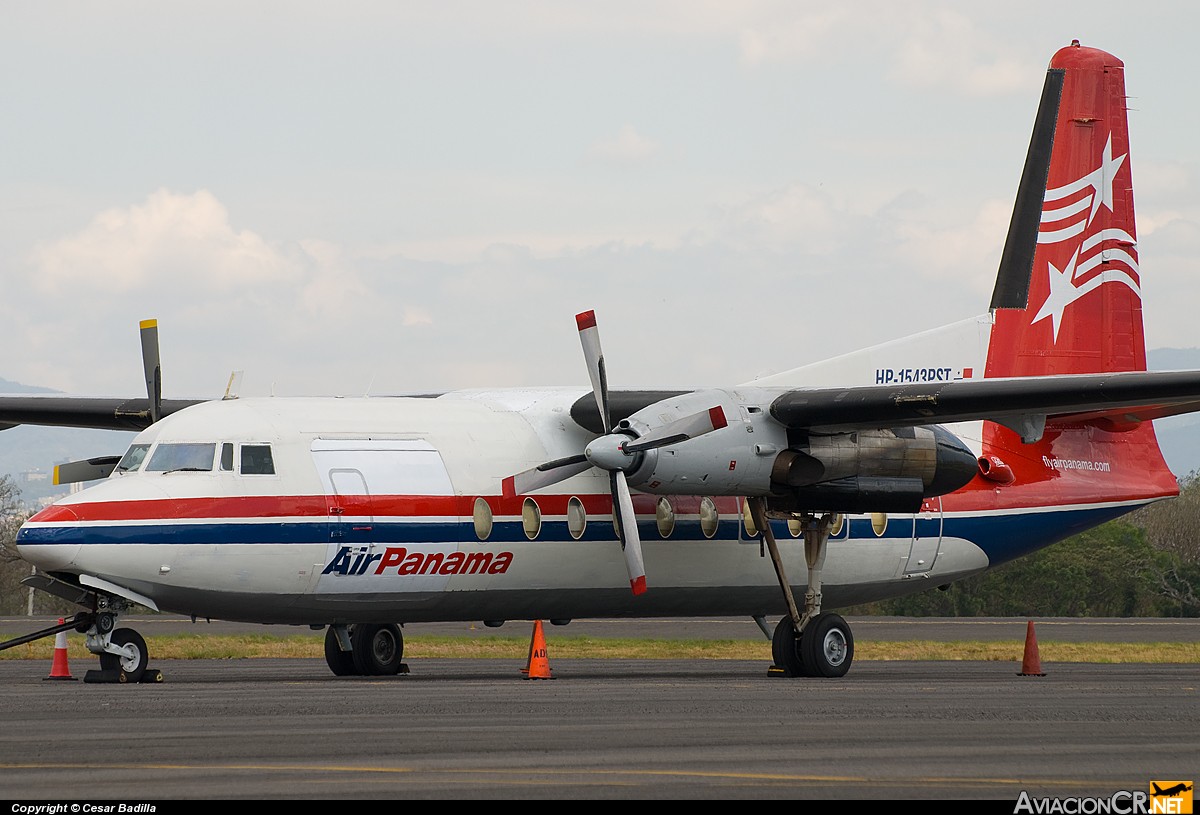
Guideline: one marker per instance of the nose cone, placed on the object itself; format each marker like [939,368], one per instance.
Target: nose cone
[607,453]
[956,465]
[47,540]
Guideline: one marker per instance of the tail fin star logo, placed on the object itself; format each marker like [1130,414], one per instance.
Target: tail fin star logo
[1074,208]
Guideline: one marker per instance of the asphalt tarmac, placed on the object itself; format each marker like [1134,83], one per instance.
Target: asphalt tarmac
[867,628]
[248,730]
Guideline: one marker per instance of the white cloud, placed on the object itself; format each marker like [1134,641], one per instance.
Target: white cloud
[626,147]
[948,49]
[172,236]
[790,35]
[941,246]
[413,315]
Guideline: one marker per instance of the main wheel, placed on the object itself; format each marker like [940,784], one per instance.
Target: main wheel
[339,661]
[378,649]
[785,649]
[131,667]
[827,647]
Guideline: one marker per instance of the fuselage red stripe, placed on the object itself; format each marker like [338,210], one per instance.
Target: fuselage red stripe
[379,506]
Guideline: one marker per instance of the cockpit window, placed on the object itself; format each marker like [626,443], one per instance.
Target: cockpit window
[227,457]
[188,457]
[133,458]
[257,460]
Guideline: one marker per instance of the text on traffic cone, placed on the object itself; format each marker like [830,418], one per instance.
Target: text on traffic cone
[539,663]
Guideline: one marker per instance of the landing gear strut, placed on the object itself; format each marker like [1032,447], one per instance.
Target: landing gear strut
[811,643]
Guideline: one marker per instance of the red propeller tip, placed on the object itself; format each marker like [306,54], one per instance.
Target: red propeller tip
[508,487]
[639,585]
[585,320]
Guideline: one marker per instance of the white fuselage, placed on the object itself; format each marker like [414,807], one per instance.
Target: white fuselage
[391,509]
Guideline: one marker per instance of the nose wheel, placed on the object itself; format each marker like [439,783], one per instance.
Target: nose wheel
[130,663]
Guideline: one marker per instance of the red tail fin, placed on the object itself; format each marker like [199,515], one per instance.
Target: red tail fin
[1068,294]
[1068,297]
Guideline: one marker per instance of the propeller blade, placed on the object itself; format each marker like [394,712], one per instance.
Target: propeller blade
[631,543]
[544,475]
[689,427]
[152,366]
[589,338]
[92,469]
[235,382]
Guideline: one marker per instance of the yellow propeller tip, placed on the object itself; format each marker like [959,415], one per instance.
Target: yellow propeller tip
[144,324]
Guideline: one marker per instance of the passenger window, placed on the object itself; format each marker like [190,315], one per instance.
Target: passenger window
[227,457]
[183,457]
[257,460]
[133,458]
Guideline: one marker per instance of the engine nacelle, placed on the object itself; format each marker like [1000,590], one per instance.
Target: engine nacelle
[734,460]
[885,470]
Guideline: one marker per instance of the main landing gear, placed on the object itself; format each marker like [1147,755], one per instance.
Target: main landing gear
[365,649]
[815,643]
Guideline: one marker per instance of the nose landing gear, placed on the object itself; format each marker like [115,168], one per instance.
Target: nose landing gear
[124,657]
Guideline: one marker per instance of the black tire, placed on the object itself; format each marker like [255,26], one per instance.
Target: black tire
[785,649]
[339,661]
[378,649]
[827,647]
[131,668]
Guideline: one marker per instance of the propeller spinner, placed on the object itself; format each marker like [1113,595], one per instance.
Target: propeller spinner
[616,451]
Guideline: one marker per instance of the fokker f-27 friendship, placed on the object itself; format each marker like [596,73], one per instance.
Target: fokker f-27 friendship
[879,473]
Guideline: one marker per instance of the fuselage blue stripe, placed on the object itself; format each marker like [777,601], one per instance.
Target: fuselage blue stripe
[1002,537]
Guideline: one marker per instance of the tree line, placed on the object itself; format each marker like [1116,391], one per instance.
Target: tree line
[1146,564]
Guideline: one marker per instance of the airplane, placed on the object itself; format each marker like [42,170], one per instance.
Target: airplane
[891,470]
[1170,791]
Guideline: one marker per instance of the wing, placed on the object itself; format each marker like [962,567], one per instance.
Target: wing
[82,411]
[1112,400]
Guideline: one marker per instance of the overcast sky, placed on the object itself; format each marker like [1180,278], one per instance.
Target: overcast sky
[384,197]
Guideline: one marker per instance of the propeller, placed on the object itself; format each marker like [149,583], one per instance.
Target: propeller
[615,452]
[153,367]
[94,469]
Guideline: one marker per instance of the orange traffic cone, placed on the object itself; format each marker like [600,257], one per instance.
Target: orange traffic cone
[1031,665]
[59,668]
[538,666]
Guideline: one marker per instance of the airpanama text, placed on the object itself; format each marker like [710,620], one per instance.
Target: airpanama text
[1076,464]
[357,560]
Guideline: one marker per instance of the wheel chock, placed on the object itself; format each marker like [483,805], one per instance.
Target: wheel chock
[152,676]
[104,677]
[775,670]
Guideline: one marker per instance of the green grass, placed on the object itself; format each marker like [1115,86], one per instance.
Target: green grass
[311,646]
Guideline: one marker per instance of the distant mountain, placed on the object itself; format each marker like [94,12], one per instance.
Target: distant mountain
[16,387]
[1178,436]
[1173,359]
